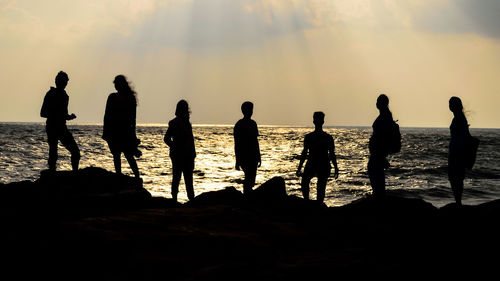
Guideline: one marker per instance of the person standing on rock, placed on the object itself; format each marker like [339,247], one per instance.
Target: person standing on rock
[246,147]
[119,125]
[55,109]
[319,150]
[179,137]
[385,139]
[460,143]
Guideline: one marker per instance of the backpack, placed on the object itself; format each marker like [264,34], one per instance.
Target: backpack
[394,145]
[471,146]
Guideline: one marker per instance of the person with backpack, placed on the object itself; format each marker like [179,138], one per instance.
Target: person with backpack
[385,140]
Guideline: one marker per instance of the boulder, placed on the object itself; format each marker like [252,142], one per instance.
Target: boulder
[272,190]
[227,196]
[65,193]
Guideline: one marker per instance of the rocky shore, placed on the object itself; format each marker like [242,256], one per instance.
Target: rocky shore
[94,224]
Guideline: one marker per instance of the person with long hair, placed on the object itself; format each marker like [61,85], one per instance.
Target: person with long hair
[179,137]
[459,130]
[119,125]
[379,146]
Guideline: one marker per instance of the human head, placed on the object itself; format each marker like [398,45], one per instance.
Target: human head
[318,118]
[247,109]
[382,102]
[182,109]
[455,104]
[121,83]
[62,80]
[123,86]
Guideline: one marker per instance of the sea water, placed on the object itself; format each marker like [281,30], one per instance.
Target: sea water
[418,171]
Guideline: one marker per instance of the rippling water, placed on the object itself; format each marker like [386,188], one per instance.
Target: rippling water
[418,171]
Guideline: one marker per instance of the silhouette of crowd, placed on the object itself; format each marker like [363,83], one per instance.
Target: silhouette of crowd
[119,131]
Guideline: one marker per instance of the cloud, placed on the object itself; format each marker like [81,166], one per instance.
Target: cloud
[215,25]
[219,25]
[462,16]
[72,22]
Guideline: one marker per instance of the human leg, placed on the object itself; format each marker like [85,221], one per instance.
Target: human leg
[176,178]
[188,181]
[52,140]
[304,186]
[376,174]
[187,171]
[249,181]
[69,143]
[115,151]
[457,187]
[133,164]
[456,176]
[321,188]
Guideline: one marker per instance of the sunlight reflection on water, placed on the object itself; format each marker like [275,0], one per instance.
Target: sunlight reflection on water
[418,171]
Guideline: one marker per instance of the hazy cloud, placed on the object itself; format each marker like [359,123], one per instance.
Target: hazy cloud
[462,16]
[291,57]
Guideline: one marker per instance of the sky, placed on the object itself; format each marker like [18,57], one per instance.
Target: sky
[289,57]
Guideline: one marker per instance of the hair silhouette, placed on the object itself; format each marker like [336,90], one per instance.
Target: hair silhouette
[459,131]
[319,150]
[182,109]
[120,124]
[179,137]
[123,86]
[247,109]
[55,109]
[61,80]
[380,146]
[246,147]
[455,105]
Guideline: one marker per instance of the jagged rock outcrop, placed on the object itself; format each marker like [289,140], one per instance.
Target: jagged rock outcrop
[95,224]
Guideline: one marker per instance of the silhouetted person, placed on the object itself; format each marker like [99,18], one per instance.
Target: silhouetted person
[120,123]
[459,130]
[246,146]
[55,109]
[381,145]
[319,149]
[179,137]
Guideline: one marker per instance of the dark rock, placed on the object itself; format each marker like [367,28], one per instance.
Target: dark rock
[90,180]
[227,196]
[88,191]
[102,224]
[272,190]
[390,205]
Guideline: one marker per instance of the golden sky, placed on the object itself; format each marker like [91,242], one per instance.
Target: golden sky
[290,57]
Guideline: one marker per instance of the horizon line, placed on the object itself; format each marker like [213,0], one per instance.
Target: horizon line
[232,125]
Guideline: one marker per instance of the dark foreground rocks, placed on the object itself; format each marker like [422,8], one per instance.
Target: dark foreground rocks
[97,225]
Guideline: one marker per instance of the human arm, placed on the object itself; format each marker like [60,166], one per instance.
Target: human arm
[64,109]
[44,111]
[168,136]
[333,158]
[70,116]
[107,120]
[303,156]
[259,159]
[237,165]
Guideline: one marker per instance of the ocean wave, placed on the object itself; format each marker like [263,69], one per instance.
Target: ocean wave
[419,170]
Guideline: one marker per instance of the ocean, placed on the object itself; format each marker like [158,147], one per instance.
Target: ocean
[418,171]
